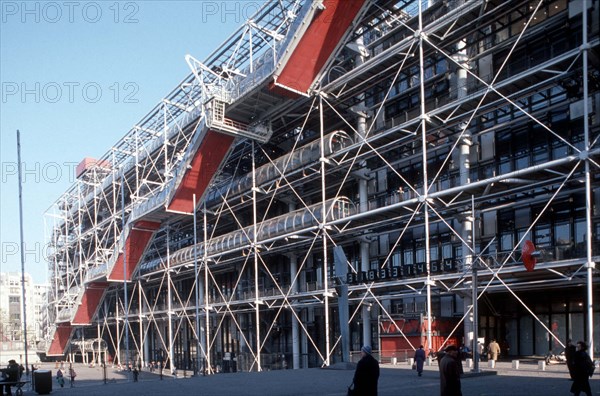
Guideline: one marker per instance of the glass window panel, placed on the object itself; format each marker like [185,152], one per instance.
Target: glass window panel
[576,327]
[542,337]
[433,253]
[447,250]
[511,332]
[559,150]
[506,241]
[540,155]
[542,235]
[559,330]
[562,234]
[396,258]
[408,257]
[523,217]
[522,161]
[526,335]
[580,230]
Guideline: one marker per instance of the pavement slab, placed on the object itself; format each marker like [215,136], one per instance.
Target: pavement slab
[394,380]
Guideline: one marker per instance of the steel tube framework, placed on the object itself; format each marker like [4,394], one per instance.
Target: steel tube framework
[436,138]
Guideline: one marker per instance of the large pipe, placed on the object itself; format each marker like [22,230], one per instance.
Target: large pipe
[590,265]
[297,159]
[336,208]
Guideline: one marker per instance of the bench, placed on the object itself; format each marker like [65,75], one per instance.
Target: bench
[18,385]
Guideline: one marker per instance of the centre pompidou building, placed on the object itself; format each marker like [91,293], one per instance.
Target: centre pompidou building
[340,173]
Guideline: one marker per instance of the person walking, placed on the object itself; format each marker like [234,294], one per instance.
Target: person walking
[450,373]
[366,374]
[419,359]
[72,375]
[570,355]
[60,378]
[493,350]
[480,351]
[582,370]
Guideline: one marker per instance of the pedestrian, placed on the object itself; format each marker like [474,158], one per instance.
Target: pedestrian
[570,355]
[493,350]
[419,360]
[583,368]
[60,378]
[480,351]
[135,374]
[72,375]
[450,373]
[366,374]
[464,352]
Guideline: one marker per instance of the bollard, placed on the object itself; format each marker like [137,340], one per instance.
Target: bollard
[394,361]
[491,363]
[542,365]
[515,364]
[469,363]
[411,361]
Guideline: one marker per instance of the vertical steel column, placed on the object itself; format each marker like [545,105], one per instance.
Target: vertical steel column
[475,282]
[166,144]
[22,250]
[467,231]
[206,334]
[365,309]
[423,197]
[99,360]
[295,325]
[197,287]
[169,298]
[590,265]
[141,319]
[323,228]
[363,193]
[118,337]
[79,221]
[124,247]
[257,302]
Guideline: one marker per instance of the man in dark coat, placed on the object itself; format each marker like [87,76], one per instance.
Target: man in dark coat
[582,364]
[366,374]
[570,355]
[450,373]
[12,374]
[420,359]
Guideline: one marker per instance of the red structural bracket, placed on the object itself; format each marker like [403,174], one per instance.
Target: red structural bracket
[135,245]
[92,296]
[204,165]
[316,46]
[60,340]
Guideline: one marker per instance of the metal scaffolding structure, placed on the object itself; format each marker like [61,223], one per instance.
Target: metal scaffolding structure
[426,141]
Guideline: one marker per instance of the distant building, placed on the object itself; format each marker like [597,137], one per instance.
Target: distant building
[11,309]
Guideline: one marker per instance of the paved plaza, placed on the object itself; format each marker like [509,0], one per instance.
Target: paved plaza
[395,380]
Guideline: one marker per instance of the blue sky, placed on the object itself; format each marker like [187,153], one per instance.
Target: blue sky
[76,76]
